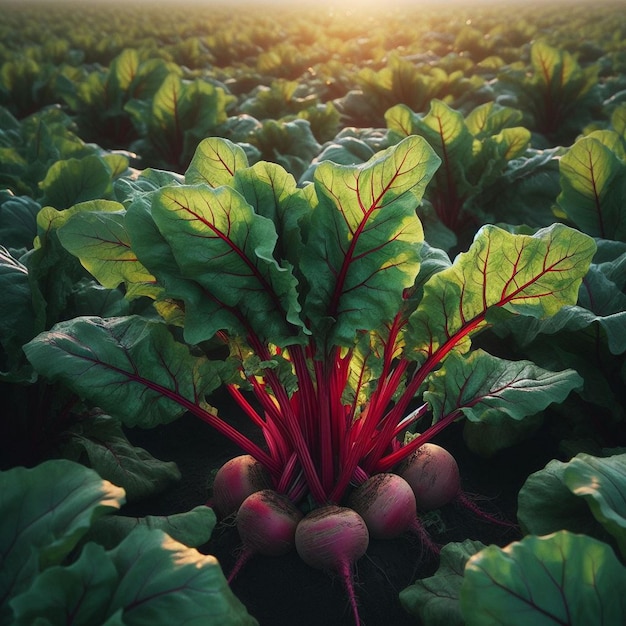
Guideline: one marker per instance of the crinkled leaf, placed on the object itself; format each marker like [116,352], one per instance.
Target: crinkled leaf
[53,271]
[128,190]
[545,581]
[149,578]
[435,600]
[478,382]
[524,192]
[130,367]
[511,143]
[586,352]
[611,260]
[272,192]
[203,315]
[215,162]
[100,442]
[602,483]
[218,240]
[532,275]
[363,245]
[593,187]
[178,117]
[45,512]
[291,144]
[192,528]
[600,302]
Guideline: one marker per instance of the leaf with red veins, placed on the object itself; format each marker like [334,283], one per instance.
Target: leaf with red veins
[99,239]
[364,240]
[215,162]
[593,184]
[475,384]
[530,275]
[128,366]
[219,242]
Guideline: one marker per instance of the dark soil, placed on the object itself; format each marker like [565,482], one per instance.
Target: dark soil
[283,591]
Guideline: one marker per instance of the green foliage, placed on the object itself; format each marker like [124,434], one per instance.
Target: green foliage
[591,338]
[28,148]
[435,600]
[475,152]
[560,578]
[563,571]
[583,495]
[149,576]
[558,95]
[402,82]
[26,85]
[593,184]
[239,253]
[291,144]
[280,99]
[172,123]
[98,99]
[299,238]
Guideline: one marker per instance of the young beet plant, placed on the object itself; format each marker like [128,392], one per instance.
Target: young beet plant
[330,310]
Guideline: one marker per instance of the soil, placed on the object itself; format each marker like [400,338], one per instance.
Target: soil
[284,591]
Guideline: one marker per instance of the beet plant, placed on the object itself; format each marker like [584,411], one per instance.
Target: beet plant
[320,308]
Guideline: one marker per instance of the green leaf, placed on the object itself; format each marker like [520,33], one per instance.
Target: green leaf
[46,510]
[90,298]
[122,72]
[72,181]
[600,302]
[130,367]
[215,162]
[593,186]
[491,118]
[203,316]
[192,528]
[530,275]
[435,600]
[96,234]
[291,144]
[273,193]
[18,221]
[100,441]
[82,590]
[148,579]
[546,504]
[474,152]
[559,579]
[479,382]
[160,576]
[178,117]
[18,321]
[446,131]
[363,245]
[602,483]
[218,240]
